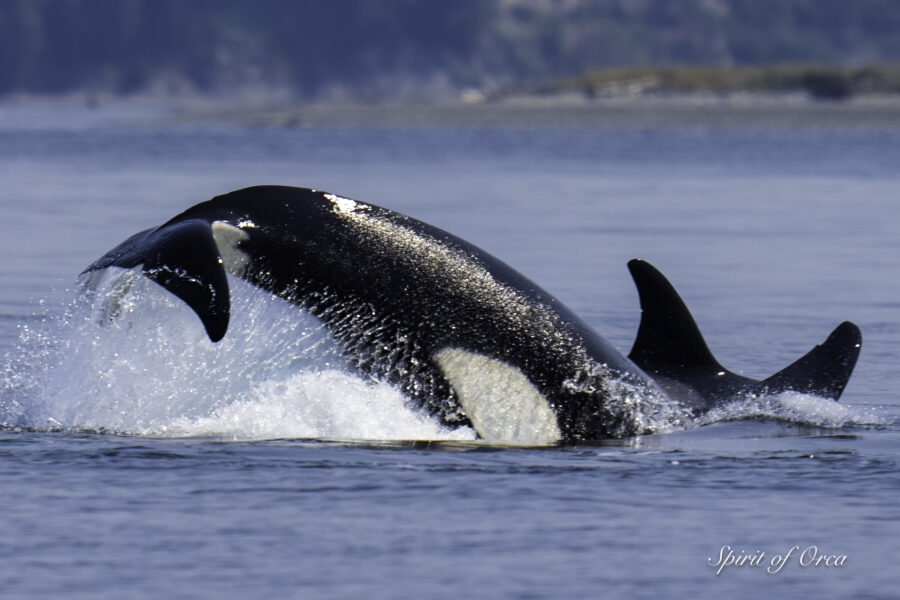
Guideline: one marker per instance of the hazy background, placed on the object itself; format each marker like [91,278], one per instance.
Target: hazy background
[376,49]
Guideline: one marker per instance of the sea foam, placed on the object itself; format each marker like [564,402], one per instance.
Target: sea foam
[131,358]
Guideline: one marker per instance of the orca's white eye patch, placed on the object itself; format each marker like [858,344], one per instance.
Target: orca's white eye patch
[227,238]
[500,401]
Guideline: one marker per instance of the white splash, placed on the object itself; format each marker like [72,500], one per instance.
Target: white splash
[794,407]
[326,404]
[148,368]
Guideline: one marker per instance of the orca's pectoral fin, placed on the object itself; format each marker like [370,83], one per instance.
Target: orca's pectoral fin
[670,348]
[824,370]
[183,258]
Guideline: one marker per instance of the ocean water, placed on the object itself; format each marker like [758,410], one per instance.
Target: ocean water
[138,460]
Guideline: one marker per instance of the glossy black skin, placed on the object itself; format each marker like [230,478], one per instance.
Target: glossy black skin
[394,291]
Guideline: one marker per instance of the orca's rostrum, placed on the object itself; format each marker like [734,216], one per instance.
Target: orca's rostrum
[463,335]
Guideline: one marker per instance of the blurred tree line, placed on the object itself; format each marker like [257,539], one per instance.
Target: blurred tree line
[385,47]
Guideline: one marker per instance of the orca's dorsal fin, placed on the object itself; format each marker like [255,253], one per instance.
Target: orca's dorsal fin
[668,336]
[183,258]
[670,348]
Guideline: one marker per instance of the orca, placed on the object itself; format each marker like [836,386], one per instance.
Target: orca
[464,336]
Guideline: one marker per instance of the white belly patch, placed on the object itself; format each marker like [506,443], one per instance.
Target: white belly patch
[500,401]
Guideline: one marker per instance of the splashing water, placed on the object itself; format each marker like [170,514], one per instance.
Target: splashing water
[131,358]
[327,404]
[794,407]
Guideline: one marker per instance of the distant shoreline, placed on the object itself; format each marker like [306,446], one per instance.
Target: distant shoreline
[566,110]
[817,81]
[657,111]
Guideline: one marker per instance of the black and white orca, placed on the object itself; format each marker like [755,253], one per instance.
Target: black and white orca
[463,335]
